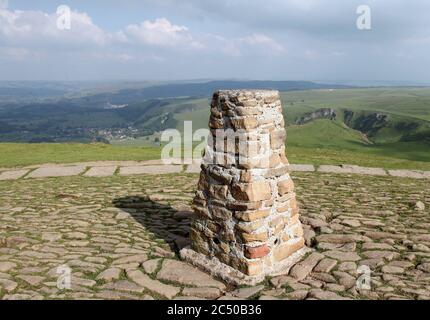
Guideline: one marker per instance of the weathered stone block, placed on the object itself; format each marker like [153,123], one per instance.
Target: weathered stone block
[254,191]
[245,123]
[252,215]
[249,227]
[288,248]
[221,213]
[285,186]
[257,252]
[255,237]
[277,139]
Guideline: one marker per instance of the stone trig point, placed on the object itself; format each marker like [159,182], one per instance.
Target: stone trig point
[246,223]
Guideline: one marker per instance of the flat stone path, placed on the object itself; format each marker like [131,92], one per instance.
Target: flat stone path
[13,174]
[106,171]
[119,237]
[155,167]
[48,172]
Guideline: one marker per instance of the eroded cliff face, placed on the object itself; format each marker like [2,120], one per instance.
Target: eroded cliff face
[323,113]
[376,127]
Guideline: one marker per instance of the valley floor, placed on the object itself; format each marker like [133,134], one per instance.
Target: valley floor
[120,236]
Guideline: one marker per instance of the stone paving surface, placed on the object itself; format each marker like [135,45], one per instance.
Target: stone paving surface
[410,174]
[13,174]
[47,172]
[159,169]
[102,171]
[120,237]
[302,167]
[352,169]
[109,168]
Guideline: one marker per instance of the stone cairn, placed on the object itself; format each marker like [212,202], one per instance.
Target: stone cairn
[246,223]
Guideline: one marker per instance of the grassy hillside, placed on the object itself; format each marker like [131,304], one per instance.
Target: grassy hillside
[22,154]
[325,141]
[410,102]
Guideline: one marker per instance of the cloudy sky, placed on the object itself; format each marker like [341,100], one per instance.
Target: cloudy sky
[215,39]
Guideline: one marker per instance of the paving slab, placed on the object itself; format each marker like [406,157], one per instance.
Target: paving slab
[168,161]
[12,175]
[302,167]
[158,169]
[47,172]
[101,171]
[352,169]
[409,174]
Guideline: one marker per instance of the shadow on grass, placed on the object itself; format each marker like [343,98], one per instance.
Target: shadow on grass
[163,221]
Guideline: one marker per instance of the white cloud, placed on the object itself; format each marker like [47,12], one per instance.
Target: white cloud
[39,29]
[119,57]
[253,44]
[35,31]
[19,54]
[163,33]
[262,40]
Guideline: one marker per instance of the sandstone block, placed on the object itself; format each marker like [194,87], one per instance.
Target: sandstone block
[251,237]
[286,249]
[285,186]
[277,139]
[252,215]
[254,191]
[244,123]
[257,252]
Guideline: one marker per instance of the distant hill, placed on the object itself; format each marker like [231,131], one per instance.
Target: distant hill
[198,90]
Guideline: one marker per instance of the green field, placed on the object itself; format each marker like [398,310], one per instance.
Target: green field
[23,154]
[407,102]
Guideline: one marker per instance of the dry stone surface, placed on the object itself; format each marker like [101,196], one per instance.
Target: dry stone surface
[103,171]
[352,169]
[57,171]
[12,174]
[46,223]
[152,170]
[416,174]
[302,167]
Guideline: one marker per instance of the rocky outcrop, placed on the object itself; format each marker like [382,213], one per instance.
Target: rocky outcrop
[368,124]
[324,113]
